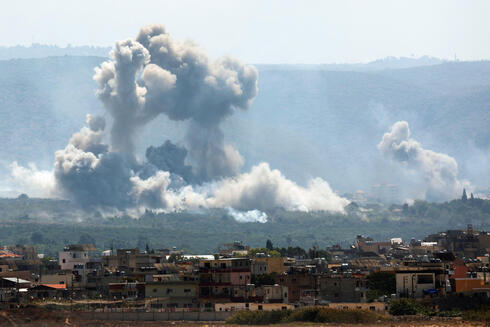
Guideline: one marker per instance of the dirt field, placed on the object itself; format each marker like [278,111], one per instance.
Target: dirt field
[42,318]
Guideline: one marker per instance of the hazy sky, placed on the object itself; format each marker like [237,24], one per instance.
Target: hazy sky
[265,31]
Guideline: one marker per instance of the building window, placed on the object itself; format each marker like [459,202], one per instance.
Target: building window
[187,290]
[424,279]
[336,295]
[64,260]
[154,290]
[169,290]
[260,307]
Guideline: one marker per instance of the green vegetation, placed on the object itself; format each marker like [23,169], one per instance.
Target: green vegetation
[477,315]
[310,314]
[380,283]
[403,307]
[51,224]
[258,317]
[263,279]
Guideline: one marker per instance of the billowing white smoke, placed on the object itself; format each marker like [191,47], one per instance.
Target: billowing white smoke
[439,170]
[265,189]
[251,216]
[35,182]
[154,75]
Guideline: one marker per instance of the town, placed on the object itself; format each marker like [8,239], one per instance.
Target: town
[440,269]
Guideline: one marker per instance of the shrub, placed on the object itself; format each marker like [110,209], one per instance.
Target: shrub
[328,315]
[403,307]
[305,314]
[477,315]
[258,317]
[310,314]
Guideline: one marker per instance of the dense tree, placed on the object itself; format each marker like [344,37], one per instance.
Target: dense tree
[385,282]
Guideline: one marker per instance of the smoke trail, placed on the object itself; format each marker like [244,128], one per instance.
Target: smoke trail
[439,170]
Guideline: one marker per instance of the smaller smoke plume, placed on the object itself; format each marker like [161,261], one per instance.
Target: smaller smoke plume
[35,182]
[251,216]
[439,170]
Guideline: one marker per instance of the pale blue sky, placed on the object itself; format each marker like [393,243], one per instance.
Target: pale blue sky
[265,31]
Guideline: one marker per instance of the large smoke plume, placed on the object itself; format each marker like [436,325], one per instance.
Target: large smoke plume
[153,75]
[439,170]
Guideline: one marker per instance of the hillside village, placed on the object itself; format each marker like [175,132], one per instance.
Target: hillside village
[367,275]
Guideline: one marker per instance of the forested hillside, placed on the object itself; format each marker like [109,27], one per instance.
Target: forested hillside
[50,224]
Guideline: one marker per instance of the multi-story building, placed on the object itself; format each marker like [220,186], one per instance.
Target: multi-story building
[268,265]
[173,292]
[223,280]
[415,280]
[75,255]
[301,285]
[342,288]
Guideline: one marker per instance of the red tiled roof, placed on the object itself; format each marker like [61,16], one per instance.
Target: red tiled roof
[9,255]
[57,286]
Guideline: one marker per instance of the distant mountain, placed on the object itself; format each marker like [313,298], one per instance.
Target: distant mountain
[380,64]
[306,120]
[37,50]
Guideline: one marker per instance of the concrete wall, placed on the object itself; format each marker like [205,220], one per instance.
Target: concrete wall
[156,316]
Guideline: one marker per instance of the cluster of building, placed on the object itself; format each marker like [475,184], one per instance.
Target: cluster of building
[443,263]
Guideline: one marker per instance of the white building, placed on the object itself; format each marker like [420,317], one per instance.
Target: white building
[75,255]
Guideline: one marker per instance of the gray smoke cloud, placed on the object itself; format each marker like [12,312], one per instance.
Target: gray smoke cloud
[153,75]
[90,139]
[439,170]
[170,157]
[88,173]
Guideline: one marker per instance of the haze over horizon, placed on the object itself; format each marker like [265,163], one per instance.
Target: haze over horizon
[286,32]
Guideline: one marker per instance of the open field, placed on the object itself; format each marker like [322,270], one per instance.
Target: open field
[42,318]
